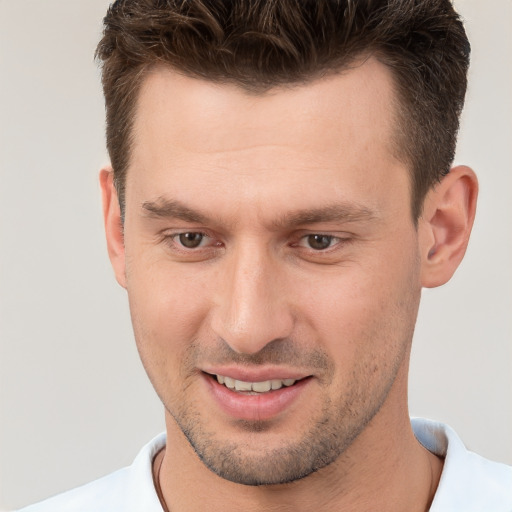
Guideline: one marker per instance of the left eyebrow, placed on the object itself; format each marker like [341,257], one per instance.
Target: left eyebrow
[338,213]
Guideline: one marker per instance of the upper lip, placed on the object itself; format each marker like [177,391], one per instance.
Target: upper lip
[255,374]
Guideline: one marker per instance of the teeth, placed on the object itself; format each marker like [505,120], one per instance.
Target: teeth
[243,386]
[262,387]
[229,382]
[277,384]
[258,387]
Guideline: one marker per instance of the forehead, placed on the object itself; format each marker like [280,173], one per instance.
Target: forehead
[205,111]
[336,131]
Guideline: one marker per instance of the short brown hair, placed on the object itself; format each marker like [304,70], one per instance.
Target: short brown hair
[258,44]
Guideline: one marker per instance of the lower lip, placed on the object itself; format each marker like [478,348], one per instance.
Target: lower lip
[261,407]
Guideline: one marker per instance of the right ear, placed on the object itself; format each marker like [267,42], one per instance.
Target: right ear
[113,224]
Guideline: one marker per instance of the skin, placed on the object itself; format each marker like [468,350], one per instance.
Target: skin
[248,172]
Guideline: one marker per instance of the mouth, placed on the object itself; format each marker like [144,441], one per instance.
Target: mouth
[253,388]
[257,394]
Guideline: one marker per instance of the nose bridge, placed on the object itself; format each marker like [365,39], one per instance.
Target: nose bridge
[251,309]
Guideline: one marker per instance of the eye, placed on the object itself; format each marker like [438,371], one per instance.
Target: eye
[319,242]
[191,246]
[191,240]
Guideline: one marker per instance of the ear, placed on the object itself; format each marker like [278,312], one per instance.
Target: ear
[445,225]
[113,224]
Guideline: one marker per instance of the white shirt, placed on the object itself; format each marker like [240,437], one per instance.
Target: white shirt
[469,483]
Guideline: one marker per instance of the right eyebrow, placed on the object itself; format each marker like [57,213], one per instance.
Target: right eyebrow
[172,209]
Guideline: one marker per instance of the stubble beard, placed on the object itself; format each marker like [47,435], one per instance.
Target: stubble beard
[341,416]
[330,434]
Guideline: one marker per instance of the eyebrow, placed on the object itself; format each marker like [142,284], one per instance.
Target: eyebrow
[166,208]
[338,212]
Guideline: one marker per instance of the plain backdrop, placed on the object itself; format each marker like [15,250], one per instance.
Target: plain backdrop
[75,402]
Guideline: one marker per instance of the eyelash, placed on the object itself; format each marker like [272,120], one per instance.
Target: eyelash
[333,240]
[172,239]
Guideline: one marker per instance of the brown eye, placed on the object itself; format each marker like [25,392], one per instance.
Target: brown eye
[191,240]
[319,242]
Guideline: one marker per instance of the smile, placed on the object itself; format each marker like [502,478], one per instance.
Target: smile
[254,387]
[255,399]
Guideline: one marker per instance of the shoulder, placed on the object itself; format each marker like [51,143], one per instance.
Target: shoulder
[468,482]
[127,489]
[101,495]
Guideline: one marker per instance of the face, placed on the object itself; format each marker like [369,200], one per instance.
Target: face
[272,266]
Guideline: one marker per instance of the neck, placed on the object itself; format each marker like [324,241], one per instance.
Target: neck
[387,473]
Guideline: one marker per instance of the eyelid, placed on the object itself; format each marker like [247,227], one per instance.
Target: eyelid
[327,235]
[337,239]
[170,236]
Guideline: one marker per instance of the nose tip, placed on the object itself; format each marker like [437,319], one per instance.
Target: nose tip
[251,309]
[250,318]
[249,331]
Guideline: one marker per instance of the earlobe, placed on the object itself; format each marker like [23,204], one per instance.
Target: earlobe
[113,224]
[445,225]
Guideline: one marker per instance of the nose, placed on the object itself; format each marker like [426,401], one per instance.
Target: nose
[251,307]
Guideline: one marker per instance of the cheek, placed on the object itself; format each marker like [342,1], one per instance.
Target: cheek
[365,312]
[168,308]
[167,318]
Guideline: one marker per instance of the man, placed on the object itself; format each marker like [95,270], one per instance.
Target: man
[279,194]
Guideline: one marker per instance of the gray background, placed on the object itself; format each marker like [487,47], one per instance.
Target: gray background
[74,400]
